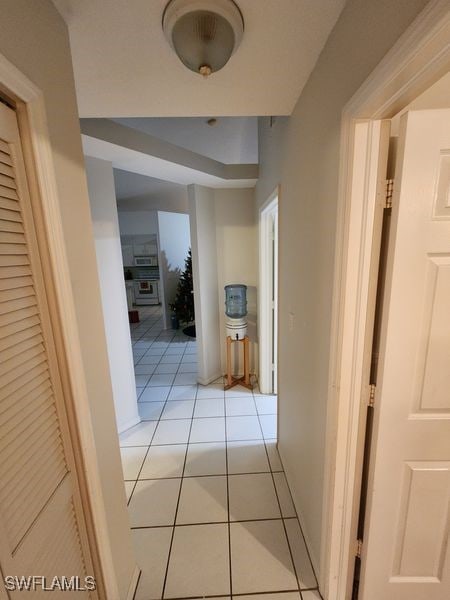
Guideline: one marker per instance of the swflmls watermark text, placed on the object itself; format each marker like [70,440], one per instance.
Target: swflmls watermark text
[32,583]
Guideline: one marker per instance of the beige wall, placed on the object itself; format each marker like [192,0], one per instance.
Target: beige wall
[237,253]
[302,154]
[34,38]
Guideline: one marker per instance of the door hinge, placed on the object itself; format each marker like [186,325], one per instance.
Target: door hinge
[273,366]
[372,388]
[359,544]
[389,192]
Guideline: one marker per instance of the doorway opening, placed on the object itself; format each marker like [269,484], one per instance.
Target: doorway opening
[268,302]
[381,97]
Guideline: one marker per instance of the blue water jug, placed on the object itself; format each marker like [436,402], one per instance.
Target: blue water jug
[236,301]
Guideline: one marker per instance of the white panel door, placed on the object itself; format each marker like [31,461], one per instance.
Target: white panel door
[405,551]
[42,530]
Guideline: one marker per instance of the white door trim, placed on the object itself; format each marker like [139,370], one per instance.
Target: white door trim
[30,108]
[265,293]
[419,58]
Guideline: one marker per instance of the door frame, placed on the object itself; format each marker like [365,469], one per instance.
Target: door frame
[268,335]
[31,115]
[419,58]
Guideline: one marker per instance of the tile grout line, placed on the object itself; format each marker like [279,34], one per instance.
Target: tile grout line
[142,420]
[228,495]
[257,414]
[212,596]
[216,522]
[200,476]
[279,503]
[178,504]
[211,442]
[301,532]
[146,454]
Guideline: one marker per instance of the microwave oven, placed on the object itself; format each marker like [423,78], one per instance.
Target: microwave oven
[145,261]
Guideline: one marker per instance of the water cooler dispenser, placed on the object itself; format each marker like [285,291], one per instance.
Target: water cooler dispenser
[236,329]
[236,311]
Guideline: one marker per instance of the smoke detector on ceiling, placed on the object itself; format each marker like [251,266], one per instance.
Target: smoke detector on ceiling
[203,33]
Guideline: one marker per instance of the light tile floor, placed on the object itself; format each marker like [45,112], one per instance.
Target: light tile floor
[210,509]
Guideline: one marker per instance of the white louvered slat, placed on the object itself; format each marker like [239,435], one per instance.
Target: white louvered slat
[14,227]
[17,316]
[6,170]
[24,391]
[8,201]
[26,508]
[7,181]
[13,345]
[15,305]
[4,147]
[10,215]
[38,525]
[11,237]
[63,538]
[20,366]
[29,457]
[30,406]
[5,158]
[16,387]
[13,261]
[12,248]
[15,293]
[10,196]
[26,404]
[15,276]
[41,423]
[33,476]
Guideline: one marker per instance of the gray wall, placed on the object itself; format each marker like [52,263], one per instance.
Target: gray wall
[302,154]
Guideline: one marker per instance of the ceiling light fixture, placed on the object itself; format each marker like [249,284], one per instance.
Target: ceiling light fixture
[203,33]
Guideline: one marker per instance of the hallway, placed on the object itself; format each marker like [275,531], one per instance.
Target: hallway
[209,506]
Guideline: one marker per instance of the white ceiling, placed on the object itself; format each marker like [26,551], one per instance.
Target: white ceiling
[132,185]
[133,151]
[138,192]
[124,66]
[232,140]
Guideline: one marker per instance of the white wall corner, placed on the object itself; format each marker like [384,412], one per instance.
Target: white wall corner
[114,303]
[204,271]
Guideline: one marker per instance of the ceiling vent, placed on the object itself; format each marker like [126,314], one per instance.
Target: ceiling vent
[203,33]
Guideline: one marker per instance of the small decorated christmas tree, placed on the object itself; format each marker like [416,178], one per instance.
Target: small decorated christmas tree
[183,306]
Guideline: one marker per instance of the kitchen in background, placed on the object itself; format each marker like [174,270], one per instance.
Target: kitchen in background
[141,269]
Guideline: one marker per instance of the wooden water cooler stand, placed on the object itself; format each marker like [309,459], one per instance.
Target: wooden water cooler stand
[231,381]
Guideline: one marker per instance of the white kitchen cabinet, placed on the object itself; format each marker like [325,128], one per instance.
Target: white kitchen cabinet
[145,245]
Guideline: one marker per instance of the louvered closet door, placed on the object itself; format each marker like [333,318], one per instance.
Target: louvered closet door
[41,530]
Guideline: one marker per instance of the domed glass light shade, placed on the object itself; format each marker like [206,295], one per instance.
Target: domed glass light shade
[203,33]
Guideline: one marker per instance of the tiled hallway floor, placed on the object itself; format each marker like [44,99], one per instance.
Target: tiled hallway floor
[210,509]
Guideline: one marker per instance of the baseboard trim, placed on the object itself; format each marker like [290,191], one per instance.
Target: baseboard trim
[129,424]
[208,380]
[312,556]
